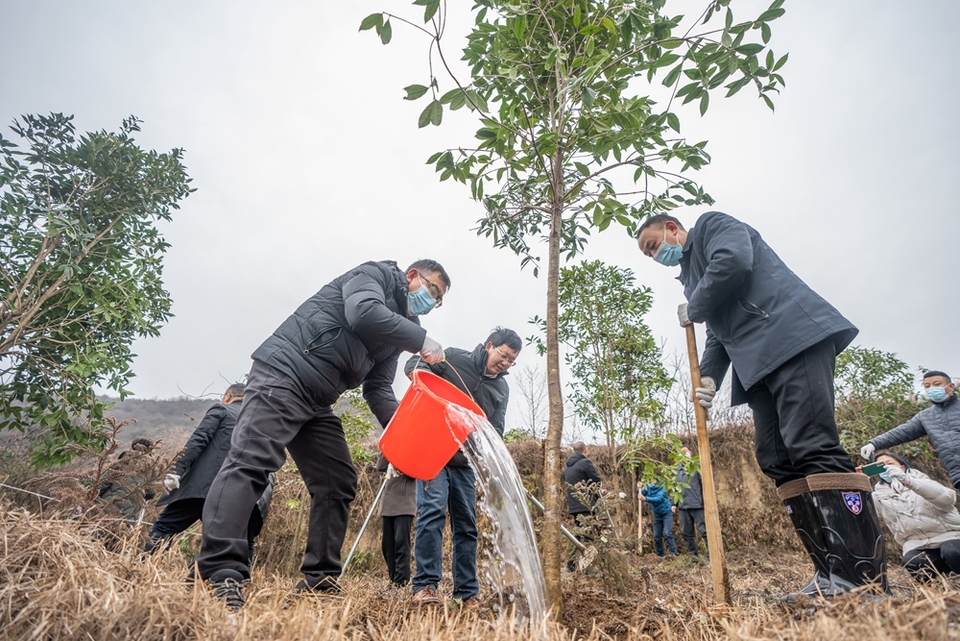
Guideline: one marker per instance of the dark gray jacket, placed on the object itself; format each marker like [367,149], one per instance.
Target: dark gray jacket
[348,334]
[941,422]
[491,393]
[579,468]
[204,453]
[692,497]
[758,313]
[400,494]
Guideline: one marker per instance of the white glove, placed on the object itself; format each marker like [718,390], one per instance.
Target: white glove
[897,474]
[622,495]
[391,471]
[682,315]
[432,351]
[171,482]
[867,451]
[705,393]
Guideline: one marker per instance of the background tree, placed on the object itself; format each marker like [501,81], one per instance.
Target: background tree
[875,393]
[80,272]
[618,377]
[532,385]
[568,142]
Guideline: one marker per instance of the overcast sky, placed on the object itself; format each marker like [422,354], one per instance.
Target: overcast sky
[307,162]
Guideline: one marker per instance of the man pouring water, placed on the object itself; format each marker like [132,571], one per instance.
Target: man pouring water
[349,334]
[480,374]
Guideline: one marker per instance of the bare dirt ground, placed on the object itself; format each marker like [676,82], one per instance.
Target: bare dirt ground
[59,580]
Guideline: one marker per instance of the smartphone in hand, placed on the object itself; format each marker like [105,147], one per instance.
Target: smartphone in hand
[872,469]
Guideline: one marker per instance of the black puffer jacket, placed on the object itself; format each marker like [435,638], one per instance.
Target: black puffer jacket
[349,333]
[204,453]
[579,468]
[491,393]
[758,313]
[941,422]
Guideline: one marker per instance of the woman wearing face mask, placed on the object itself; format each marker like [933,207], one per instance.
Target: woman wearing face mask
[922,516]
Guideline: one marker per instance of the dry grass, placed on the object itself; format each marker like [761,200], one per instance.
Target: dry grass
[59,581]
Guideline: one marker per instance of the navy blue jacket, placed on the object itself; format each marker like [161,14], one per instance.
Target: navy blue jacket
[758,313]
[349,333]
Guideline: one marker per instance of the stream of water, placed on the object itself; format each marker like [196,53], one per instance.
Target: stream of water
[512,563]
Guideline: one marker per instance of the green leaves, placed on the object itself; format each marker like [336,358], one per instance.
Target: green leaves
[564,82]
[374,20]
[430,8]
[83,265]
[382,27]
[415,91]
[431,115]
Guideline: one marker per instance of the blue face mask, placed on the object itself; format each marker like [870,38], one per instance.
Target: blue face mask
[420,302]
[884,477]
[668,255]
[936,394]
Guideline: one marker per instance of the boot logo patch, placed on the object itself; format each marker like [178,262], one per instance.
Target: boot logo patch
[789,509]
[853,502]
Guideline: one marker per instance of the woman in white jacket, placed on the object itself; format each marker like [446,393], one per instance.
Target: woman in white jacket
[922,516]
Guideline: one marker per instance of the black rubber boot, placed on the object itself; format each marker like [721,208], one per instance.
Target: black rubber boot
[855,552]
[803,515]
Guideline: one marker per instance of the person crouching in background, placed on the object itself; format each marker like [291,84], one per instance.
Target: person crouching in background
[922,516]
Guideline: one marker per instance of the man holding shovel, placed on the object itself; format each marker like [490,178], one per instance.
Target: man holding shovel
[348,334]
[782,340]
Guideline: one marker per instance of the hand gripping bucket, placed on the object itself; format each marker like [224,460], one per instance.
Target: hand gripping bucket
[424,435]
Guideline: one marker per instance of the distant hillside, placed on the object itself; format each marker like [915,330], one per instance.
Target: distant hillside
[172,420]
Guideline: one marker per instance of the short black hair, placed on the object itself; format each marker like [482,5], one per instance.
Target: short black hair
[142,442]
[896,457]
[428,265]
[503,336]
[237,390]
[657,221]
[936,372]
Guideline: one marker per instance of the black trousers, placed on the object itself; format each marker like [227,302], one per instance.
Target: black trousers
[179,515]
[793,414]
[395,545]
[689,519]
[925,565]
[275,416]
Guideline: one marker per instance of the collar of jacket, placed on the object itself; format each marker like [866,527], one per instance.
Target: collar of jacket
[947,403]
[687,252]
[400,295]
[480,356]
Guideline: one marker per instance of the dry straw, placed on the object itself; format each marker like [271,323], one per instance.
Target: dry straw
[59,581]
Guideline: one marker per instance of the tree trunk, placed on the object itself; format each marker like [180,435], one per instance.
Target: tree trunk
[555,499]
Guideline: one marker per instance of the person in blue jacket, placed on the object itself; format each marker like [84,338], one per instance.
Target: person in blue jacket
[663,509]
[780,340]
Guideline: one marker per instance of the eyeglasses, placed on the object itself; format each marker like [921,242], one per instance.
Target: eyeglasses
[510,361]
[434,290]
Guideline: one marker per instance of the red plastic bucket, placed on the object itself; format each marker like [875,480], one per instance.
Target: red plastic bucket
[423,435]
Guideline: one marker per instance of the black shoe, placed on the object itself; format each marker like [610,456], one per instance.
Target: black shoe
[326,585]
[227,586]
